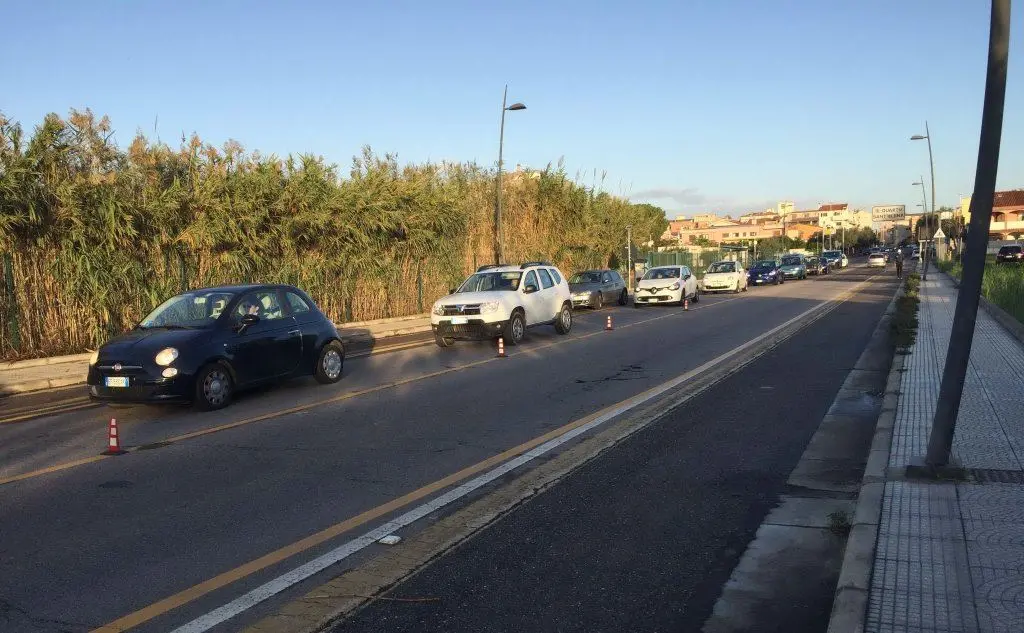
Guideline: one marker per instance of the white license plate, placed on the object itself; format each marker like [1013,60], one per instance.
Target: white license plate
[459,320]
[116,381]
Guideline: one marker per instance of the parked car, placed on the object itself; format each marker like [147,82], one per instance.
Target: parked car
[594,288]
[1012,254]
[763,272]
[666,284]
[793,267]
[915,252]
[724,276]
[844,262]
[503,301]
[203,346]
[877,260]
[816,266]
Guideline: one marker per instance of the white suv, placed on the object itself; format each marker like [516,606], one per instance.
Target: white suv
[502,301]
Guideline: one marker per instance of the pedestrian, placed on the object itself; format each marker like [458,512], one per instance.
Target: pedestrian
[899,263]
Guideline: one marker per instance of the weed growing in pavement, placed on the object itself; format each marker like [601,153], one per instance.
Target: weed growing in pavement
[904,320]
[839,523]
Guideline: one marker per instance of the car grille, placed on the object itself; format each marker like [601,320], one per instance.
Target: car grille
[466,309]
[475,329]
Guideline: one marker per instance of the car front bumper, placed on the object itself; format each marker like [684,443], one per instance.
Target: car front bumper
[473,330]
[141,389]
[792,274]
[661,296]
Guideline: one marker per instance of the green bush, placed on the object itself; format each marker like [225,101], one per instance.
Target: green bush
[1002,284]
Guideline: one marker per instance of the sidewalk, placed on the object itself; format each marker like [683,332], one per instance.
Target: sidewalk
[950,556]
[63,371]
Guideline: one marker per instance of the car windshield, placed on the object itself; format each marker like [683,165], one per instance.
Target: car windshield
[813,261]
[486,281]
[722,267]
[762,265]
[589,277]
[832,254]
[196,309]
[662,273]
[1009,249]
[790,261]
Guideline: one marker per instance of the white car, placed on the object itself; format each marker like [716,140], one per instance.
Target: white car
[502,302]
[876,260]
[724,276]
[666,284]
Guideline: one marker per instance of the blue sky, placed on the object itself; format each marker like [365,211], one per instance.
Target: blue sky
[699,105]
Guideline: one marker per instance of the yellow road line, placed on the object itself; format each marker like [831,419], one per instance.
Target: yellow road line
[238,573]
[54,409]
[52,469]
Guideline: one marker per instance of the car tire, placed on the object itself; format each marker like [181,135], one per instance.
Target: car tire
[563,322]
[597,302]
[624,297]
[214,387]
[329,363]
[516,329]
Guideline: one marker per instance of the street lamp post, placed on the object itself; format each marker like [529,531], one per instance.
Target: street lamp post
[931,164]
[498,249]
[924,207]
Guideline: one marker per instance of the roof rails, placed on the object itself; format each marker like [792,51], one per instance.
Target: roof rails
[489,267]
[540,263]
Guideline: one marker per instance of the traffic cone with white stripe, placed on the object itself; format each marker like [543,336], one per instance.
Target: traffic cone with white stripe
[501,347]
[686,304]
[113,440]
[608,325]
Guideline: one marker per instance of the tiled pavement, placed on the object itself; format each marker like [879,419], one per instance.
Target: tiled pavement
[950,556]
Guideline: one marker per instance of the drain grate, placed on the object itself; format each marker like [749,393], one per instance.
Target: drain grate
[992,476]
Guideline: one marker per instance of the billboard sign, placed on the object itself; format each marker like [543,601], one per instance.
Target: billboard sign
[890,213]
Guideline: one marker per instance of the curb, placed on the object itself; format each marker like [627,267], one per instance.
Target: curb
[40,385]
[369,336]
[49,360]
[411,317]
[849,608]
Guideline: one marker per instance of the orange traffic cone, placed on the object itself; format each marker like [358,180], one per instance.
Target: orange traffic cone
[608,325]
[501,347]
[686,304]
[113,440]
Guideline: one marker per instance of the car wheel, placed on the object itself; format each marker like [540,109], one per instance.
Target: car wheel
[563,323]
[214,387]
[329,364]
[624,297]
[443,341]
[516,329]
[597,302]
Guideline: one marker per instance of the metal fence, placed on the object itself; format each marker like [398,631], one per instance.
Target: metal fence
[696,260]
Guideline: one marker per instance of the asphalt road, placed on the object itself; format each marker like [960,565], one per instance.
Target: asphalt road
[643,537]
[95,538]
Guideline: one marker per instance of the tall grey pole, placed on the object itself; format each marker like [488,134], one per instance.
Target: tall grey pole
[931,165]
[629,256]
[498,250]
[924,208]
[962,336]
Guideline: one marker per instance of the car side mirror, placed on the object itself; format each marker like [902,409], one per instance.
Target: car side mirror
[530,288]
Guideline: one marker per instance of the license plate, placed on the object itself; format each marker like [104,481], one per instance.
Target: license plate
[459,320]
[116,381]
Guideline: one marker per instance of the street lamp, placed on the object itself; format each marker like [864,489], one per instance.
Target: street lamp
[498,250]
[924,207]
[927,136]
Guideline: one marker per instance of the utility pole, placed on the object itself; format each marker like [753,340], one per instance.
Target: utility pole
[965,316]
[499,252]
[629,255]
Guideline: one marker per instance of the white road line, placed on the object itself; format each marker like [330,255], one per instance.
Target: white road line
[322,562]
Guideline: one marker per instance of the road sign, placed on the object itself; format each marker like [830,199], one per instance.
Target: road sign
[888,213]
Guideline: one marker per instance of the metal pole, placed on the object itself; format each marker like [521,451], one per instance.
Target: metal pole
[924,208]
[962,335]
[498,250]
[629,256]
[931,164]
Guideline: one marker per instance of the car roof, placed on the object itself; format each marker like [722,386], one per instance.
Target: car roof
[240,288]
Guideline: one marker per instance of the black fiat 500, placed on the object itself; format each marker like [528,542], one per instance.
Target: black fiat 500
[204,345]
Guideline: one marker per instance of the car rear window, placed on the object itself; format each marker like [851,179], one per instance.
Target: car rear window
[1006,250]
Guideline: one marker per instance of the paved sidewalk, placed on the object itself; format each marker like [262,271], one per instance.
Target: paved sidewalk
[950,556]
[64,371]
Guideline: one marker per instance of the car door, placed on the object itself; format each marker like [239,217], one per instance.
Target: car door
[689,282]
[551,301]
[608,292]
[533,302]
[269,348]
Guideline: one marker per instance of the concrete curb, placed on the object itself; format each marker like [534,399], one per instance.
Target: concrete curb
[50,360]
[411,317]
[849,608]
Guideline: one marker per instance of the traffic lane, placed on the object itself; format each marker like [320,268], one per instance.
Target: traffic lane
[644,536]
[326,464]
[64,437]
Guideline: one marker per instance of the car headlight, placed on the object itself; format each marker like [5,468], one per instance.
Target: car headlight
[166,356]
[438,309]
[489,307]
[94,358]
[674,286]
